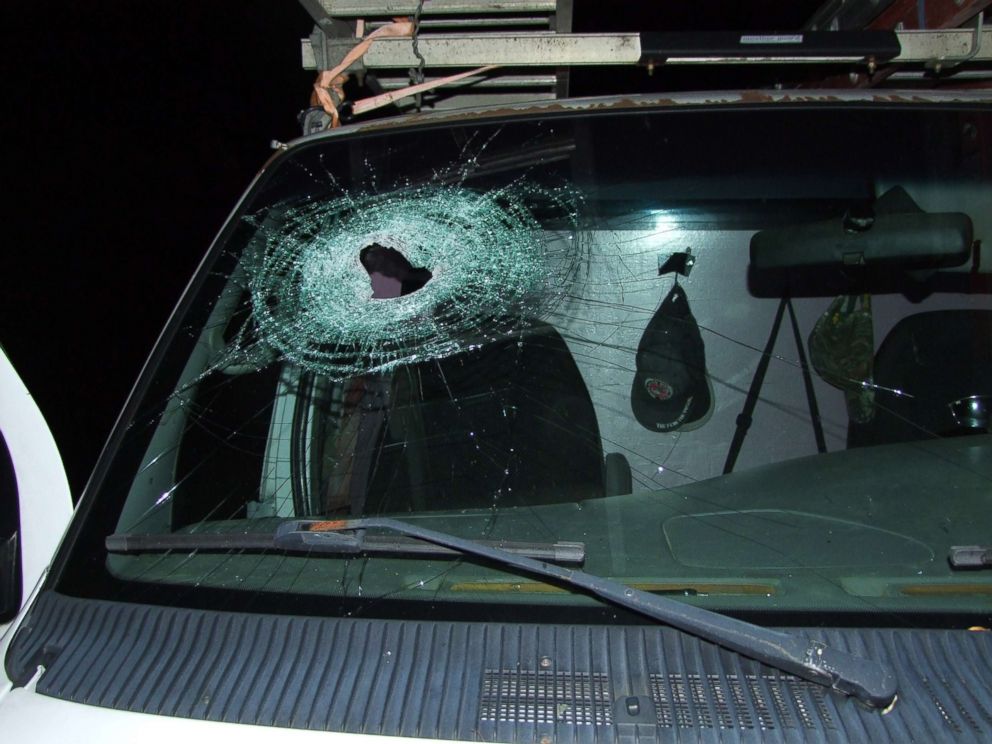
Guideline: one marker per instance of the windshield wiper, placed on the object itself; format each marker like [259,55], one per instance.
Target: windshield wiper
[864,679]
[286,538]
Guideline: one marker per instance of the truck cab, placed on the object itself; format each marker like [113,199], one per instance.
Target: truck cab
[555,420]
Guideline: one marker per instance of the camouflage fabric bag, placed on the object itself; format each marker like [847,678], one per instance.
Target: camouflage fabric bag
[842,350]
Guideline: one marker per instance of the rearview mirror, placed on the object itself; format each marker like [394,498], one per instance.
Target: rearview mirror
[897,232]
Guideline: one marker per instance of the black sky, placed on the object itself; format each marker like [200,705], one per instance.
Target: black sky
[131,130]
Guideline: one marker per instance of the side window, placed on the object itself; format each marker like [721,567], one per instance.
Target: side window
[10,553]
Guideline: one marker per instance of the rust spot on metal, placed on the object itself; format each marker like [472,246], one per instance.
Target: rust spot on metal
[680,100]
[756,96]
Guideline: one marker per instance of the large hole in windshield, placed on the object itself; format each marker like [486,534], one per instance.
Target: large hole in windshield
[390,273]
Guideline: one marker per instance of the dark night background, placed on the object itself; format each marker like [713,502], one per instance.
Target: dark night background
[131,130]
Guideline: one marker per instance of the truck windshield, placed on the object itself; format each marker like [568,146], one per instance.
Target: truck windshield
[742,356]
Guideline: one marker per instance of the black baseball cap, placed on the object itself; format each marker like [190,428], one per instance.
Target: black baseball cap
[671,390]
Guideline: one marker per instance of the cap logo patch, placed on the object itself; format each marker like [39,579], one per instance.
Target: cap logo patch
[658,389]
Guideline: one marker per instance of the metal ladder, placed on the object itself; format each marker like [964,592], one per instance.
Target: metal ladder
[530,46]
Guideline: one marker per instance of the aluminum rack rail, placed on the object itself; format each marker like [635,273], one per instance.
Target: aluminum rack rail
[512,51]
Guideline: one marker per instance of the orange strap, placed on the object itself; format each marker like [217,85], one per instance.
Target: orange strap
[333,80]
[384,99]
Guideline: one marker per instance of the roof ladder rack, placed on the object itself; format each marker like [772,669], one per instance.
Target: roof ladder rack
[512,51]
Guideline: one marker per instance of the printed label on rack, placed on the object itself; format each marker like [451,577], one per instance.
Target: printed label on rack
[772,39]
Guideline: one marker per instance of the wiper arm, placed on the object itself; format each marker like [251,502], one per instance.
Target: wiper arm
[864,679]
[288,538]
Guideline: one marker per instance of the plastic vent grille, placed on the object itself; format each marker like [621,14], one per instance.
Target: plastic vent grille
[961,709]
[426,680]
[546,697]
[732,701]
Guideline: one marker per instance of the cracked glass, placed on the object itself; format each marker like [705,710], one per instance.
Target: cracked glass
[625,331]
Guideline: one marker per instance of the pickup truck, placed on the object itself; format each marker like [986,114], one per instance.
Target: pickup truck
[636,418]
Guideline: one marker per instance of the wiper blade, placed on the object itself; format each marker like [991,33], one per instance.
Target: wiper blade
[290,538]
[864,679]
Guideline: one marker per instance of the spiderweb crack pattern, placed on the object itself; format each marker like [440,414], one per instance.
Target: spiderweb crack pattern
[494,269]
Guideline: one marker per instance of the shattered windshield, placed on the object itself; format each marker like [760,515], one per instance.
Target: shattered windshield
[737,356]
